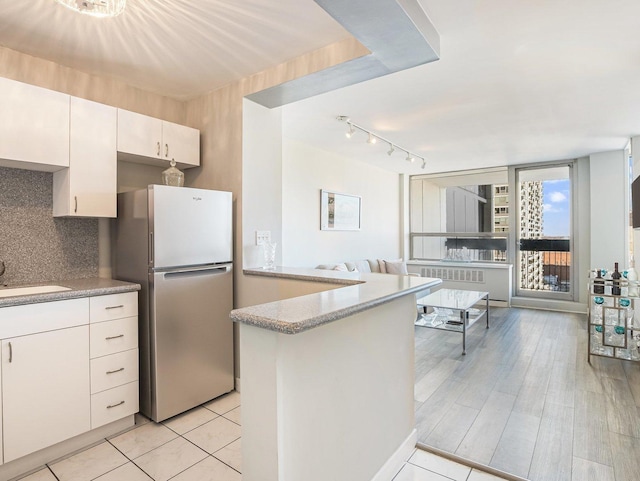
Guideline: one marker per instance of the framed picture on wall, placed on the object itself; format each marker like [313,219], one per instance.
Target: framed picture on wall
[340,211]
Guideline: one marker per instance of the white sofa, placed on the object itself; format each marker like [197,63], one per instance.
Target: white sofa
[394,266]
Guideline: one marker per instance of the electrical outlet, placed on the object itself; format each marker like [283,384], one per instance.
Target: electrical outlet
[263,237]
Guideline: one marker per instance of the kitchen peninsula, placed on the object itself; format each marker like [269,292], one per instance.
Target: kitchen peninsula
[327,377]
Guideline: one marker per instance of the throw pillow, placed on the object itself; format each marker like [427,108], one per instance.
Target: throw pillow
[341,267]
[396,267]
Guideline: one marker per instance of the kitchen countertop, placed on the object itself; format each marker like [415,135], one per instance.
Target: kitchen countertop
[78,288]
[361,291]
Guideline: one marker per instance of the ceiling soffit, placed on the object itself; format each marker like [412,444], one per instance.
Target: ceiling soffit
[398,34]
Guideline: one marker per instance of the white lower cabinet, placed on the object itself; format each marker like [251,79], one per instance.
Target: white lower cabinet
[64,375]
[115,370]
[113,404]
[1,436]
[45,389]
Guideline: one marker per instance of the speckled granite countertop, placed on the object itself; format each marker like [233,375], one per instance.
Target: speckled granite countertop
[77,288]
[360,292]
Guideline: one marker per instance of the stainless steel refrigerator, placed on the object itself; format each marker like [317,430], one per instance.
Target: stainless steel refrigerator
[177,243]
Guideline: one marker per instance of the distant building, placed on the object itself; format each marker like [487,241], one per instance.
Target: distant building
[531,262]
[500,214]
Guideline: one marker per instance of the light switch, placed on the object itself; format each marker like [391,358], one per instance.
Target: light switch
[263,237]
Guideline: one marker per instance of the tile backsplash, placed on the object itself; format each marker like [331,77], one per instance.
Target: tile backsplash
[35,246]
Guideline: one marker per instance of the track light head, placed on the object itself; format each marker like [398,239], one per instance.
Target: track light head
[351,131]
[372,139]
[391,149]
[424,164]
[410,158]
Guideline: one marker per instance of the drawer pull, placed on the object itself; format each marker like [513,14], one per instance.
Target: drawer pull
[115,405]
[114,337]
[10,353]
[117,370]
[114,307]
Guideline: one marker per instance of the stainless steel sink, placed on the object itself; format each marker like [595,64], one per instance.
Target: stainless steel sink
[25,291]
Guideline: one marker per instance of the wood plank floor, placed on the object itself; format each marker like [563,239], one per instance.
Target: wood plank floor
[524,399]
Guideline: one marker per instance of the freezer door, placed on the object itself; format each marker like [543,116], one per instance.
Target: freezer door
[191,337]
[189,227]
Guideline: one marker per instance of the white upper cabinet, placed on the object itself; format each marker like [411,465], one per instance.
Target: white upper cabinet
[88,187]
[139,134]
[149,140]
[180,143]
[34,126]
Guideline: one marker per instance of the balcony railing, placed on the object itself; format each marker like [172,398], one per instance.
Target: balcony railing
[548,264]
[459,246]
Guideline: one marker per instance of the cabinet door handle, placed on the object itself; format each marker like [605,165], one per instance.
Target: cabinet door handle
[115,405]
[158,144]
[166,150]
[114,307]
[114,337]
[75,200]
[10,353]
[117,370]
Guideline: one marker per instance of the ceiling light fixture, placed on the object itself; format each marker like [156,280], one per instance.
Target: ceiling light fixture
[96,8]
[373,138]
[351,131]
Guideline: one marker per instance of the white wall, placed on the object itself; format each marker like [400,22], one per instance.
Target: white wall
[261,180]
[609,217]
[635,152]
[305,171]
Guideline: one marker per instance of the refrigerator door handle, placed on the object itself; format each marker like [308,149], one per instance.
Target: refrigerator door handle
[198,271]
[150,248]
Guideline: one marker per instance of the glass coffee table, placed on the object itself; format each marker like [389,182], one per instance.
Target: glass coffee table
[453,310]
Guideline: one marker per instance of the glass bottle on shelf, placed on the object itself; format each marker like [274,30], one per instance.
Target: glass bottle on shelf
[615,276]
[598,283]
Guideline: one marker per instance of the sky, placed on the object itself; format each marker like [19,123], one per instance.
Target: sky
[556,195]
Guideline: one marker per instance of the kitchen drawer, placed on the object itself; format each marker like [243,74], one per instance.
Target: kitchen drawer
[113,336]
[115,370]
[113,306]
[113,404]
[40,317]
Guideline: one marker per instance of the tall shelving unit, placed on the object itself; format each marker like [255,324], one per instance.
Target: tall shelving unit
[611,322]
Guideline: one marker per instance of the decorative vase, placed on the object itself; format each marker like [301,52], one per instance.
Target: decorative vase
[269,255]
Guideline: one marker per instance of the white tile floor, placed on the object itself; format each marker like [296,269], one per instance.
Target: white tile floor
[203,444]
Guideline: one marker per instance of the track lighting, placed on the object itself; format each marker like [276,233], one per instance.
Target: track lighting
[373,138]
[350,132]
